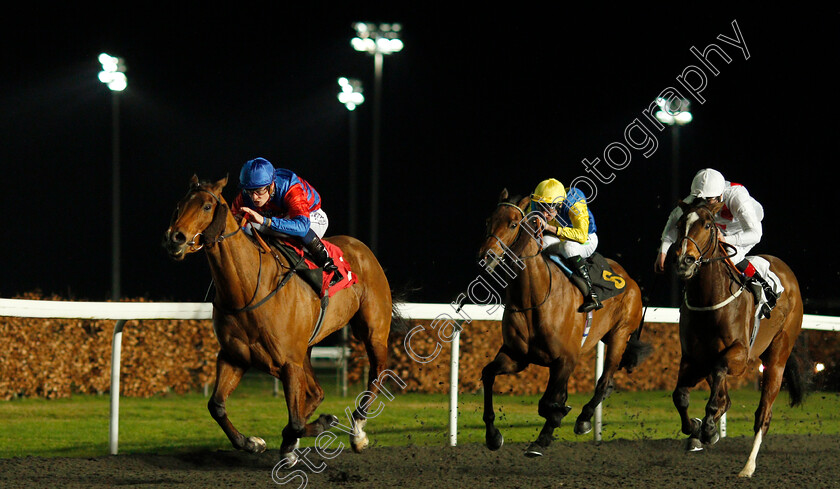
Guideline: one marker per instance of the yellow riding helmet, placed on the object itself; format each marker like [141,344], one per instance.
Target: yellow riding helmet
[549,191]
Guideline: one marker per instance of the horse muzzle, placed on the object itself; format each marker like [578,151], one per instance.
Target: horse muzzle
[687,266]
[175,243]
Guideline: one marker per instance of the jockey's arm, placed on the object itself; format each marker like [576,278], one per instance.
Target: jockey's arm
[669,233]
[579,230]
[669,236]
[744,208]
[296,223]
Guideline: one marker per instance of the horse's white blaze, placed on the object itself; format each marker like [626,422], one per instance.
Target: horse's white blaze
[750,467]
[689,221]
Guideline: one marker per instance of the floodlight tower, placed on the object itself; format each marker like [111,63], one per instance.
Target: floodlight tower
[113,75]
[377,40]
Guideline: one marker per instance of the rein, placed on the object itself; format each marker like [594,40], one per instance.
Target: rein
[219,217]
[545,262]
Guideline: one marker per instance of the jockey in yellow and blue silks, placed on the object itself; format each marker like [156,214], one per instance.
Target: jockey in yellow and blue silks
[569,231]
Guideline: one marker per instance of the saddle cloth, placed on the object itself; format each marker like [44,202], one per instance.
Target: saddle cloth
[605,282]
[312,273]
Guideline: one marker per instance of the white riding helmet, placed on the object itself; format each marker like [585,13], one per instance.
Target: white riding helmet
[708,183]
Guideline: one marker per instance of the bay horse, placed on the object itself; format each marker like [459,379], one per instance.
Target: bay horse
[716,322]
[264,316]
[541,325]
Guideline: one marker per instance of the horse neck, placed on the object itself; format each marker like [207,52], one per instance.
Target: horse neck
[234,263]
[530,285]
[712,284]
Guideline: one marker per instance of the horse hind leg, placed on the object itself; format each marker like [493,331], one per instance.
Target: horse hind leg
[375,340]
[771,383]
[228,377]
[603,388]
[552,406]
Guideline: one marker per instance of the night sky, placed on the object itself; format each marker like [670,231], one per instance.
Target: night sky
[476,102]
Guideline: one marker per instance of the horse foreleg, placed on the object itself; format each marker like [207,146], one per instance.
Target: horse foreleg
[294,389]
[314,397]
[502,364]
[228,377]
[686,379]
[552,405]
[732,361]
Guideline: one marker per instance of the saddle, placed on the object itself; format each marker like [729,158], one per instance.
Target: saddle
[313,275]
[606,283]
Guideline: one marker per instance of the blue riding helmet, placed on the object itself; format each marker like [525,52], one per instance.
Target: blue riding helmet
[256,173]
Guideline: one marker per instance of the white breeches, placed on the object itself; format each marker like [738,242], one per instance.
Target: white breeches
[572,248]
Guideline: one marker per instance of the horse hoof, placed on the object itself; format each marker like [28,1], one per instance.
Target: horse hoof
[359,439]
[359,444]
[327,421]
[694,445]
[533,451]
[289,459]
[254,444]
[747,471]
[495,440]
[714,439]
[696,424]
[583,427]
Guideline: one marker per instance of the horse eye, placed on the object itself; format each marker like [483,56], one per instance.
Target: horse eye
[708,225]
[513,225]
[207,207]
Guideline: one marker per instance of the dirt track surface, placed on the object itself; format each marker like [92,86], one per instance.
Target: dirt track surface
[784,462]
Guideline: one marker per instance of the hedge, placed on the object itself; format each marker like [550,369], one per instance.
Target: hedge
[55,358]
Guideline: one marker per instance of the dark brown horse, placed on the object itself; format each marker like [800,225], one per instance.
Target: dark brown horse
[716,321]
[264,316]
[541,325]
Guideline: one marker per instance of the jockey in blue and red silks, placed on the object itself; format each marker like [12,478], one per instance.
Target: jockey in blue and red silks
[280,203]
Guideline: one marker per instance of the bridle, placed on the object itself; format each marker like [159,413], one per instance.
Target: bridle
[538,253]
[710,245]
[713,240]
[218,217]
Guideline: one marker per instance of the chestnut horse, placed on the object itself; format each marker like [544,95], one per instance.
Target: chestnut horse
[541,325]
[264,316]
[716,321]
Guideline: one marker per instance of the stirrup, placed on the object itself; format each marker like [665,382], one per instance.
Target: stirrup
[592,304]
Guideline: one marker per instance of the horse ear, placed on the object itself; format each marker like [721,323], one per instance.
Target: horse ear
[503,197]
[716,207]
[194,181]
[685,206]
[523,203]
[222,182]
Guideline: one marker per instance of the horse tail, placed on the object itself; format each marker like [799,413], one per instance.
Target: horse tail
[399,324]
[637,350]
[797,375]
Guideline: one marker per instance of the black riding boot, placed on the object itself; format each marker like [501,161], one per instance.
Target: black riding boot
[590,300]
[320,257]
[757,284]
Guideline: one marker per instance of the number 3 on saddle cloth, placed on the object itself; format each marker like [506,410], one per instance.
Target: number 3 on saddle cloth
[311,273]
